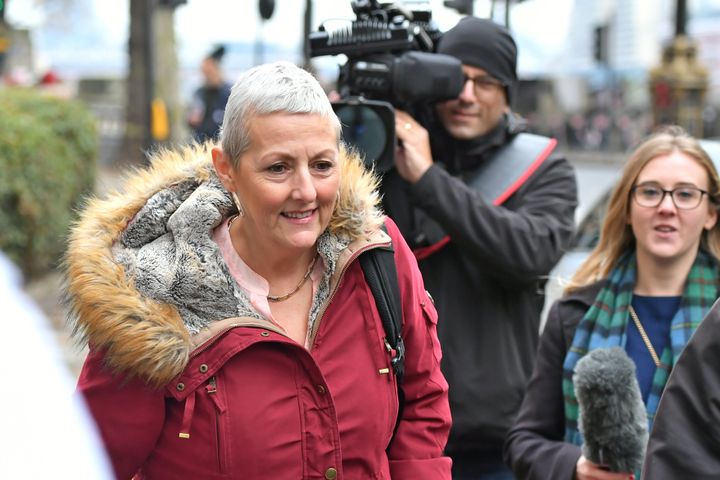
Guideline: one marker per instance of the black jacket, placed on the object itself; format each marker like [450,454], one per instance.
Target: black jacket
[685,440]
[535,448]
[487,282]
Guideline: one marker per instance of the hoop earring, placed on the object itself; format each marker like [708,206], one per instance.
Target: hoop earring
[239,206]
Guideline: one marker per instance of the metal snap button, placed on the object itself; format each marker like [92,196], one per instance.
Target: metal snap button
[320,389]
[264,334]
[180,387]
[331,473]
[203,368]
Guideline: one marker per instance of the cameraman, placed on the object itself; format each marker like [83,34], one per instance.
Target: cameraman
[483,259]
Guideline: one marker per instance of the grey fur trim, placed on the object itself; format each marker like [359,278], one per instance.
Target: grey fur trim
[151,221]
[169,253]
[329,248]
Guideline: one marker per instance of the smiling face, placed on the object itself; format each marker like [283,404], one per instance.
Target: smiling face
[477,110]
[287,181]
[666,233]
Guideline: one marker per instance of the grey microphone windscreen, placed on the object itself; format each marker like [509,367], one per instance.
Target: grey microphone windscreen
[612,417]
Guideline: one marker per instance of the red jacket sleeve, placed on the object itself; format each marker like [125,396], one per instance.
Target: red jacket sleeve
[129,414]
[417,448]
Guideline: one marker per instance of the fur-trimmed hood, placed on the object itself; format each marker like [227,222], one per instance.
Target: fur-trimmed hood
[144,275]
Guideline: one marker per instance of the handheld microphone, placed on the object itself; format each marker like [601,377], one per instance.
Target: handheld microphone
[612,417]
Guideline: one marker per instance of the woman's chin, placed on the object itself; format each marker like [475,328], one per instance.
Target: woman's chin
[303,240]
[671,252]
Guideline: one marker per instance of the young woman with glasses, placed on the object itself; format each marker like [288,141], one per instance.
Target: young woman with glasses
[645,288]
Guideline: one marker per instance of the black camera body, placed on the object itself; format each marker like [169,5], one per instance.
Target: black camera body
[391,64]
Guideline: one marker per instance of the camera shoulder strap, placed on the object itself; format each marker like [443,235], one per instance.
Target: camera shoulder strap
[499,178]
[507,171]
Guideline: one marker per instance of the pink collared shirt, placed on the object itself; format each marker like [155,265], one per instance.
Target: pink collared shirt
[255,286]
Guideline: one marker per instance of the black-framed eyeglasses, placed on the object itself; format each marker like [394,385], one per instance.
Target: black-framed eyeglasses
[483,83]
[651,195]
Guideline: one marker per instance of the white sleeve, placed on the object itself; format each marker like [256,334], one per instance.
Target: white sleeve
[46,429]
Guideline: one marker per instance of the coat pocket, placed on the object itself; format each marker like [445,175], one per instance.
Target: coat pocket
[431,321]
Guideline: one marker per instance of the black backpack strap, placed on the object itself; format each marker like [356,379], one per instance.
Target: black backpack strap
[378,264]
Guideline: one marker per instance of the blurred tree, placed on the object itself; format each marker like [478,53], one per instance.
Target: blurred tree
[137,111]
[152,74]
[167,87]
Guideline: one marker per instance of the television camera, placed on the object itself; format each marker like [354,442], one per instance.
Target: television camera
[390,64]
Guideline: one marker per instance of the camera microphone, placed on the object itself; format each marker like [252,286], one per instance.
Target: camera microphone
[612,417]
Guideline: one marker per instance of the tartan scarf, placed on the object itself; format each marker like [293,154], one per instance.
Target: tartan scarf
[605,325]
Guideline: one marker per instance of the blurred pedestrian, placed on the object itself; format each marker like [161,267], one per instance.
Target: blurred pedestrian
[232,332]
[207,107]
[46,429]
[489,211]
[645,288]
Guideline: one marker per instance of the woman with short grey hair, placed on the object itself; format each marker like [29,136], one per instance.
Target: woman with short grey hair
[272,88]
[232,331]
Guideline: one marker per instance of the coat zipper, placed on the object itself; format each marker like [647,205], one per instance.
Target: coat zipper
[211,389]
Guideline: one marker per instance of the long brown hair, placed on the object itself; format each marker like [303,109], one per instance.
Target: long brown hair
[616,235]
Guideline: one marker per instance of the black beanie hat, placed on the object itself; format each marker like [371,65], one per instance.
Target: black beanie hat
[484,44]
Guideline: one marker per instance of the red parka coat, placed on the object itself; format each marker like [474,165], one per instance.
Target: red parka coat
[239,399]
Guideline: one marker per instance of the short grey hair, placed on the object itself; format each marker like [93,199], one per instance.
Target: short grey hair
[270,88]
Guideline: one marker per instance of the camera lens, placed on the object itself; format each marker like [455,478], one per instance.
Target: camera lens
[363,128]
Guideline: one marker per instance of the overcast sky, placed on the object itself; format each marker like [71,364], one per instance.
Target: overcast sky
[103,25]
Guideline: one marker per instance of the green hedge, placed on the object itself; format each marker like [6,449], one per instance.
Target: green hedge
[48,148]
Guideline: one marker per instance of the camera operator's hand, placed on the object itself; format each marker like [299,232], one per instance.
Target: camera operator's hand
[412,156]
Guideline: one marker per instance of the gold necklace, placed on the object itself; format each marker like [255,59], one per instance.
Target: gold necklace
[644,336]
[280,298]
